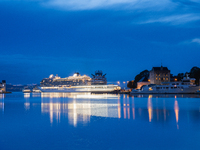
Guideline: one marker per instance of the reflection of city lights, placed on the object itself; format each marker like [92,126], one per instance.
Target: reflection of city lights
[128,109]
[2,106]
[133,109]
[149,106]
[1,96]
[124,109]
[119,109]
[176,110]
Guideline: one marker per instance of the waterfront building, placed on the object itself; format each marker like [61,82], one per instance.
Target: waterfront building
[3,86]
[159,74]
[142,82]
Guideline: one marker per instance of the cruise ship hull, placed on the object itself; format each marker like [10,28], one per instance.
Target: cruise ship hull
[81,89]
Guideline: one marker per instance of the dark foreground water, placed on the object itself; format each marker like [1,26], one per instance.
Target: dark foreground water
[87,122]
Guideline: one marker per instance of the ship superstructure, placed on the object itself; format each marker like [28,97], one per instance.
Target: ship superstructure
[98,78]
[74,80]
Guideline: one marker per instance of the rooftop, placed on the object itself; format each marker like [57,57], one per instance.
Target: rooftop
[160,68]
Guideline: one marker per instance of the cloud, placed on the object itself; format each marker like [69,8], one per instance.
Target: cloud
[103,4]
[196,40]
[189,42]
[171,12]
[174,19]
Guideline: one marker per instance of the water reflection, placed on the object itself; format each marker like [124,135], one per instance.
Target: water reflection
[176,110]
[80,108]
[149,106]
[2,103]
[27,95]
[166,95]
[79,95]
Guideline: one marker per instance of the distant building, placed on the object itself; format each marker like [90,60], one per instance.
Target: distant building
[3,86]
[159,74]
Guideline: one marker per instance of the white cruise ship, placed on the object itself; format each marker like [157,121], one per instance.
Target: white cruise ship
[78,83]
[185,86]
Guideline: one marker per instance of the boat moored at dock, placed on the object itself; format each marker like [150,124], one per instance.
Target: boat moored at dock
[185,86]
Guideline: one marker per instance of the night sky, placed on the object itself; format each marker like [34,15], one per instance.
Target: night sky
[119,37]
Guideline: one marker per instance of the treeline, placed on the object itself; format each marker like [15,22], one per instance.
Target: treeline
[194,73]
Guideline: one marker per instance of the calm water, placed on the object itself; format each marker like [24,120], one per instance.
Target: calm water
[87,122]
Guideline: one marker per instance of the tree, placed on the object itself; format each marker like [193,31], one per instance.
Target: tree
[133,84]
[195,73]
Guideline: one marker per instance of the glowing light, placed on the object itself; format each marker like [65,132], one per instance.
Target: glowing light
[26,95]
[133,109]
[119,109]
[27,106]
[176,110]
[124,112]
[148,80]
[150,89]
[124,82]
[118,82]
[175,79]
[149,106]
[128,109]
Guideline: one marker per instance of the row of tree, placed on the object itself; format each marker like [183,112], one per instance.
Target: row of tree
[194,73]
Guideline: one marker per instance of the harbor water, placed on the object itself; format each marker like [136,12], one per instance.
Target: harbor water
[99,121]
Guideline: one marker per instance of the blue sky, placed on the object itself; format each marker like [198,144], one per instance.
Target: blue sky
[120,37]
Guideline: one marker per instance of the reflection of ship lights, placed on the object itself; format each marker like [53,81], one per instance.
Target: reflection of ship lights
[27,105]
[26,95]
[176,110]
[79,95]
[2,106]
[119,109]
[2,102]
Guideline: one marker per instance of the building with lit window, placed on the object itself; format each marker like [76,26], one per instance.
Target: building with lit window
[3,86]
[159,74]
